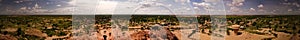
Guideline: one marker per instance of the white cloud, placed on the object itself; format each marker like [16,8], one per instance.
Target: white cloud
[107,7]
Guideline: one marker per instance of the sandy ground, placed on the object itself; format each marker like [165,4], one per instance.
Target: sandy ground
[183,35]
[244,36]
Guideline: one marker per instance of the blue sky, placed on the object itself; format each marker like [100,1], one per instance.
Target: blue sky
[271,7]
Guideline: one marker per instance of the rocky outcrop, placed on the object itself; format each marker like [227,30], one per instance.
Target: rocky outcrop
[35,32]
[140,35]
[10,29]
[7,37]
[153,35]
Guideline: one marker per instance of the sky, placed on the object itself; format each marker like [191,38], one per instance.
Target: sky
[149,7]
